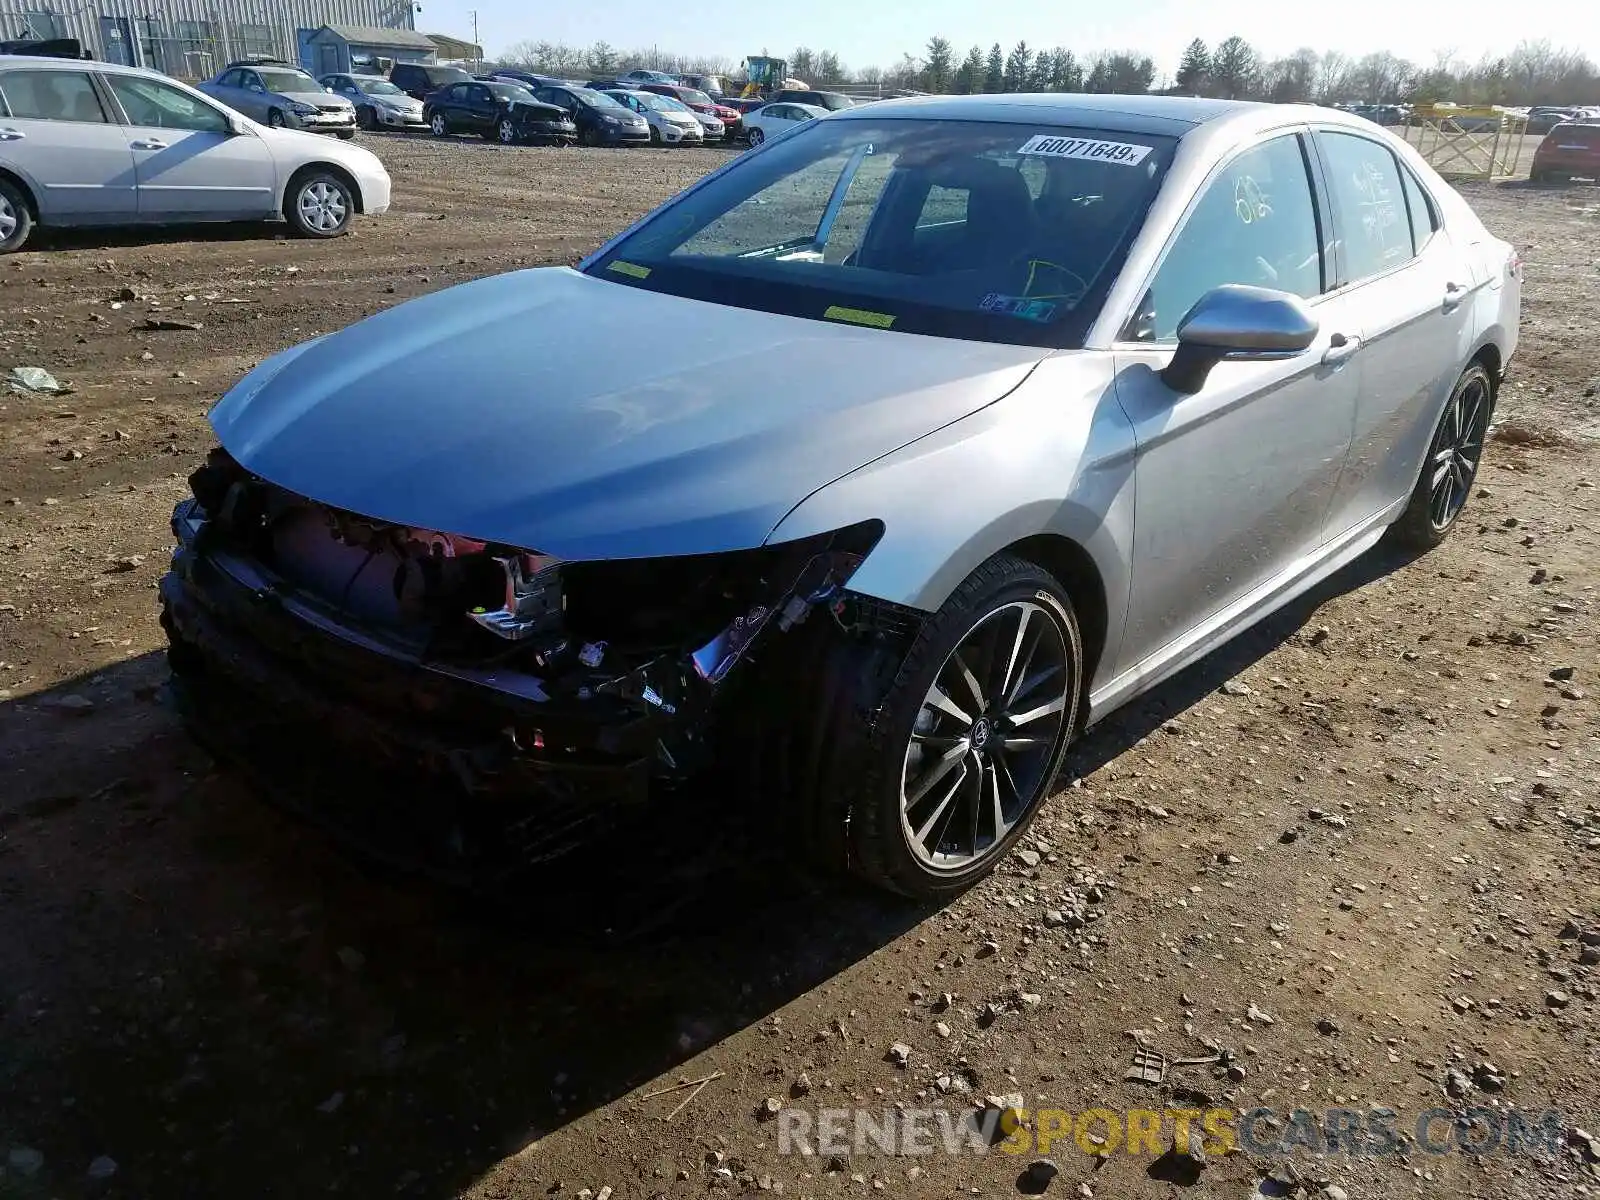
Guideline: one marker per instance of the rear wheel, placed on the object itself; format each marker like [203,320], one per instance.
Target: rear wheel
[16,217]
[1452,463]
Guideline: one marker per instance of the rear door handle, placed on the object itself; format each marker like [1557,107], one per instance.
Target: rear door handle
[1340,349]
[150,144]
[1454,294]
[11,135]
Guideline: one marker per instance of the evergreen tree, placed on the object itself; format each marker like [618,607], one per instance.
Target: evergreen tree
[940,66]
[1018,65]
[994,70]
[1234,69]
[969,78]
[1194,72]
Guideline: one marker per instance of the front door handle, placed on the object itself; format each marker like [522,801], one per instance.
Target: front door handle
[150,144]
[11,135]
[1454,294]
[1340,349]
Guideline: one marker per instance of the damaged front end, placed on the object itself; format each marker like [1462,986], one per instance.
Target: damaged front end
[459,705]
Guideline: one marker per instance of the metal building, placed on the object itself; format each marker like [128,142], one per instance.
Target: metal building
[192,39]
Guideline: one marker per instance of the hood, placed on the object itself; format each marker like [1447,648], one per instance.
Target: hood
[318,97]
[552,411]
[539,110]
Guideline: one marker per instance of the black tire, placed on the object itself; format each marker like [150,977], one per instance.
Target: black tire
[1462,429]
[505,132]
[276,119]
[367,117]
[344,135]
[755,137]
[851,784]
[655,136]
[16,217]
[439,125]
[318,204]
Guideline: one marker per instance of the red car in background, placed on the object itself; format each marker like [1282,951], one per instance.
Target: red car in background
[700,102]
[1572,148]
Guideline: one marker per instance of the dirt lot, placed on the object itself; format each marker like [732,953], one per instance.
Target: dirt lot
[1349,867]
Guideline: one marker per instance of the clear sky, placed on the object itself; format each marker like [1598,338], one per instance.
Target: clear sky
[877,34]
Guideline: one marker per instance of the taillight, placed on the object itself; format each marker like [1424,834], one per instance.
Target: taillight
[1514,265]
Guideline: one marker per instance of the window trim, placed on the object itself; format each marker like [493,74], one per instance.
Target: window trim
[1316,181]
[1346,285]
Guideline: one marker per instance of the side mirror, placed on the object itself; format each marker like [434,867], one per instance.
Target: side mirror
[1241,324]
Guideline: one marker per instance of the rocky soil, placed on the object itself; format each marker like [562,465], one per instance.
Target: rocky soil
[1353,857]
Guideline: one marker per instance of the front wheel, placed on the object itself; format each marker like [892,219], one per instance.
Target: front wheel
[506,133]
[344,135]
[439,125]
[367,117]
[755,137]
[320,205]
[1452,463]
[16,217]
[971,734]
[276,119]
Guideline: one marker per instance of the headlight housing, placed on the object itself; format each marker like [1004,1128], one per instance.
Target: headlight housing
[301,109]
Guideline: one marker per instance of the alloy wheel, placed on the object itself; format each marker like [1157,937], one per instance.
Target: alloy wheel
[756,137]
[8,219]
[323,206]
[275,119]
[984,740]
[439,127]
[508,133]
[1457,448]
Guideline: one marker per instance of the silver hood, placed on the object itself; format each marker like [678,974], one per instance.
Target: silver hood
[577,417]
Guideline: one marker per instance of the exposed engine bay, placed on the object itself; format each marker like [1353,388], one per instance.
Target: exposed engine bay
[499,667]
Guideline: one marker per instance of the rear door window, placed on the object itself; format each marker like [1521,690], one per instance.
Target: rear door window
[1423,213]
[1374,228]
[52,96]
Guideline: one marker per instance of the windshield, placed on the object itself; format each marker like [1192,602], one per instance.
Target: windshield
[288,81]
[693,96]
[661,103]
[378,87]
[444,76]
[601,100]
[510,91]
[990,231]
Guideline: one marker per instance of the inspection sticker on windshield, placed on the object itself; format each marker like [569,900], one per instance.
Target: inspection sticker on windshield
[627,268]
[1018,306]
[1124,153]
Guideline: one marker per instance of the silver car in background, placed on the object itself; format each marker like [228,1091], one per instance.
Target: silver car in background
[379,104]
[91,143]
[946,426]
[282,96]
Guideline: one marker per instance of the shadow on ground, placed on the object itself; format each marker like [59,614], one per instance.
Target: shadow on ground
[207,992]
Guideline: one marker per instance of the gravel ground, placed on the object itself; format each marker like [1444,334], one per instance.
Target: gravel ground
[1354,851]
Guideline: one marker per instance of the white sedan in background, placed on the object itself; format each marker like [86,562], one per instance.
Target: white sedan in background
[92,143]
[772,119]
[671,122]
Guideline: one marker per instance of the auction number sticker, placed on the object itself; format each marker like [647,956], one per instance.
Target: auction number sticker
[1124,153]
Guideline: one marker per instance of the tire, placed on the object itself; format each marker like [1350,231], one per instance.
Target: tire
[655,136]
[319,205]
[1444,484]
[439,126]
[367,118]
[881,795]
[276,119]
[755,137]
[506,133]
[588,137]
[344,135]
[16,217]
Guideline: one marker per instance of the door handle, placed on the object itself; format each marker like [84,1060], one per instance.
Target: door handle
[150,144]
[1340,349]
[1454,294]
[11,135]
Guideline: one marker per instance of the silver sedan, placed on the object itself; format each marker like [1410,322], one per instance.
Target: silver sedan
[946,427]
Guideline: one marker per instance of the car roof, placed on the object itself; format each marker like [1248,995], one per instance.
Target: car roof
[1171,116]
